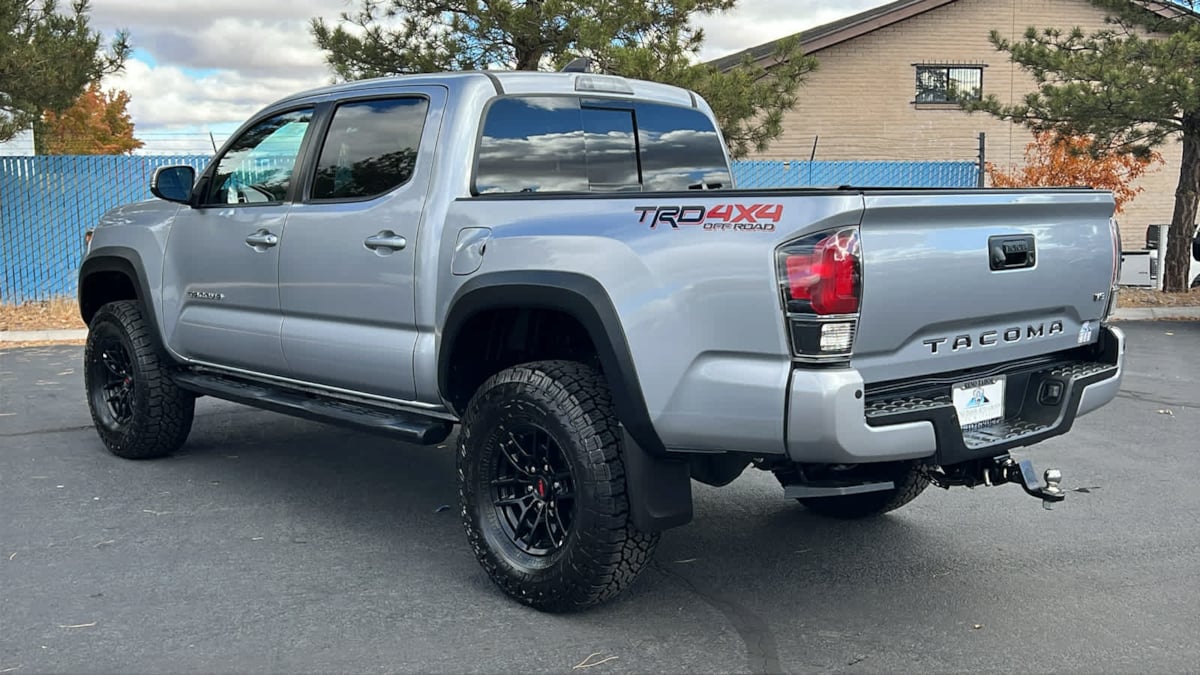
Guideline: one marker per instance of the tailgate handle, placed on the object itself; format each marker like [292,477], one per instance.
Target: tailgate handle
[1011,252]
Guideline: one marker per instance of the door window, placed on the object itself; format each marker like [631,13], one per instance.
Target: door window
[371,148]
[258,167]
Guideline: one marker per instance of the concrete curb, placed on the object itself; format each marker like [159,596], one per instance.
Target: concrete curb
[1156,313]
[1122,314]
[42,335]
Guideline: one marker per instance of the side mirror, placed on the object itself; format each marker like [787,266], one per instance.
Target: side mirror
[173,183]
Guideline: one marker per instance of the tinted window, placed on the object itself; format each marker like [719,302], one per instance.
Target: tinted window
[258,167]
[611,150]
[680,148]
[532,144]
[371,148]
[540,144]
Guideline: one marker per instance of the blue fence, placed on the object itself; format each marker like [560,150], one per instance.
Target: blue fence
[780,173]
[46,203]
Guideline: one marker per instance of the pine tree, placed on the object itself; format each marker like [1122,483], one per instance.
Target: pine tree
[646,39]
[1129,87]
[47,58]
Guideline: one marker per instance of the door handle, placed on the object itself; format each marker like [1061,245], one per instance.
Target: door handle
[262,240]
[385,240]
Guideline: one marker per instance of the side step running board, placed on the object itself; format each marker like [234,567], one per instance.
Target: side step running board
[408,426]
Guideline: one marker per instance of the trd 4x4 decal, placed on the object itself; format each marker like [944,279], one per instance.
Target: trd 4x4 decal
[745,217]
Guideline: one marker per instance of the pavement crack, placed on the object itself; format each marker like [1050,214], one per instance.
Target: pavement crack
[762,652]
[36,432]
[1147,398]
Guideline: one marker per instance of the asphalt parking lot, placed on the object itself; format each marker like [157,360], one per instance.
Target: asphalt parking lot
[274,544]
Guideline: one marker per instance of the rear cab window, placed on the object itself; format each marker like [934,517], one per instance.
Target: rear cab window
[534,144]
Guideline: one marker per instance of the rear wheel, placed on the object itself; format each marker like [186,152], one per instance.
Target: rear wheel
[542,487]
[908,478]
[136,408]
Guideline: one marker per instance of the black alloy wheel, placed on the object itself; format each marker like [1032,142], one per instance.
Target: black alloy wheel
[533,491]
[112,388]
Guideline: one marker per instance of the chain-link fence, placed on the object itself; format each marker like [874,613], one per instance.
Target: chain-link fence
[832,173]
[48,202]
[46,205]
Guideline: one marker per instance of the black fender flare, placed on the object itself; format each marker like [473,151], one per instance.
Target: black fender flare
[121,259]
[659,485]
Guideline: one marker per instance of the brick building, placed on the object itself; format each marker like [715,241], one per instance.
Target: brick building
[880,91]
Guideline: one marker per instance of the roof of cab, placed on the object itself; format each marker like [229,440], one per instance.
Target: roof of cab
[508,82]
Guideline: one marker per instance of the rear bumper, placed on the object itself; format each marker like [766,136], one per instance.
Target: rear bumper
[834,418]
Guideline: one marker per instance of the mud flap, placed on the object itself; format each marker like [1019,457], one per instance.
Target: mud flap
[660,489]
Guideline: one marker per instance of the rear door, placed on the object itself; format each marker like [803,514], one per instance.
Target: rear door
[347,267]
[220,293]
[955,280]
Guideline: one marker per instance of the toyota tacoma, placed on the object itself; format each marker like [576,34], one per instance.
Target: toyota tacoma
[560,266]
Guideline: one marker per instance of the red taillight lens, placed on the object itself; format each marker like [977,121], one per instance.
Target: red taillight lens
[823,277]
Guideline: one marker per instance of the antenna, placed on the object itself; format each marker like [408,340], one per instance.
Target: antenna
[579,65]
[213,141]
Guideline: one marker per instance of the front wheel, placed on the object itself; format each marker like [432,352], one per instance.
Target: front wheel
[542,487]
[136,407]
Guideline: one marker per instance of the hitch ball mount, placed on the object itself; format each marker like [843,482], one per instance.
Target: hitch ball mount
[1005,469]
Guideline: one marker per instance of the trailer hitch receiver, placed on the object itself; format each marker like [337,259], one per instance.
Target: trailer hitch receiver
[1001,470]
[1025,475]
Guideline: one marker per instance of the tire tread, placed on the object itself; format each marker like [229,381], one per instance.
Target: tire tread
[163,416]
[608,556]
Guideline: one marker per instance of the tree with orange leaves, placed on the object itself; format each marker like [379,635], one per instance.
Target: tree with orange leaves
[96,124]
[1057,160]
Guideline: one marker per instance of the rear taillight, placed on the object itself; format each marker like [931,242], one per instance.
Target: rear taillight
[824,278]
[820,278]
[1115,231]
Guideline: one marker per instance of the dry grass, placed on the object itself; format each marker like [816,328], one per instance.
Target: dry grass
[1144,297]
[49,315]
[41,343]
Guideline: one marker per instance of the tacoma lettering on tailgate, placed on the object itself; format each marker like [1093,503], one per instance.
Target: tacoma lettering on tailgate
[989,338]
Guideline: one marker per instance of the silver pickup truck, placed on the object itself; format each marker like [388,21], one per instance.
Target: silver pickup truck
[560,265]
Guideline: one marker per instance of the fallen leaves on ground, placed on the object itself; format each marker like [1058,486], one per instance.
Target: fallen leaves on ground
[1145,297]
[62,313]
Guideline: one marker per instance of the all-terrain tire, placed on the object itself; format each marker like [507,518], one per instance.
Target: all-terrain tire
[602,553]
[909,482]
[136,407]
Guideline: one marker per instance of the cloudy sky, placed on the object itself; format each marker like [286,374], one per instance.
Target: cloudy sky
[201,67]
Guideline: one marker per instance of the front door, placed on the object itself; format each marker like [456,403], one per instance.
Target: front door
[220,286]
[346,271]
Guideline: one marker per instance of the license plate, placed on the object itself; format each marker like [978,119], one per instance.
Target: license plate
[979,402]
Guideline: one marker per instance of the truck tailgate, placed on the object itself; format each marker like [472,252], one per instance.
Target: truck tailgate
[962,280]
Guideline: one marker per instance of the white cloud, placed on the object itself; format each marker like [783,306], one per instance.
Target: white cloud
[755,22]
[211,64]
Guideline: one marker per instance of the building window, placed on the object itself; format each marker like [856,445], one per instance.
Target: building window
[949,84]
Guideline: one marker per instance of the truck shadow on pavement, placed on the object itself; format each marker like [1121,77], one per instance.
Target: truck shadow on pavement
[748,554]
